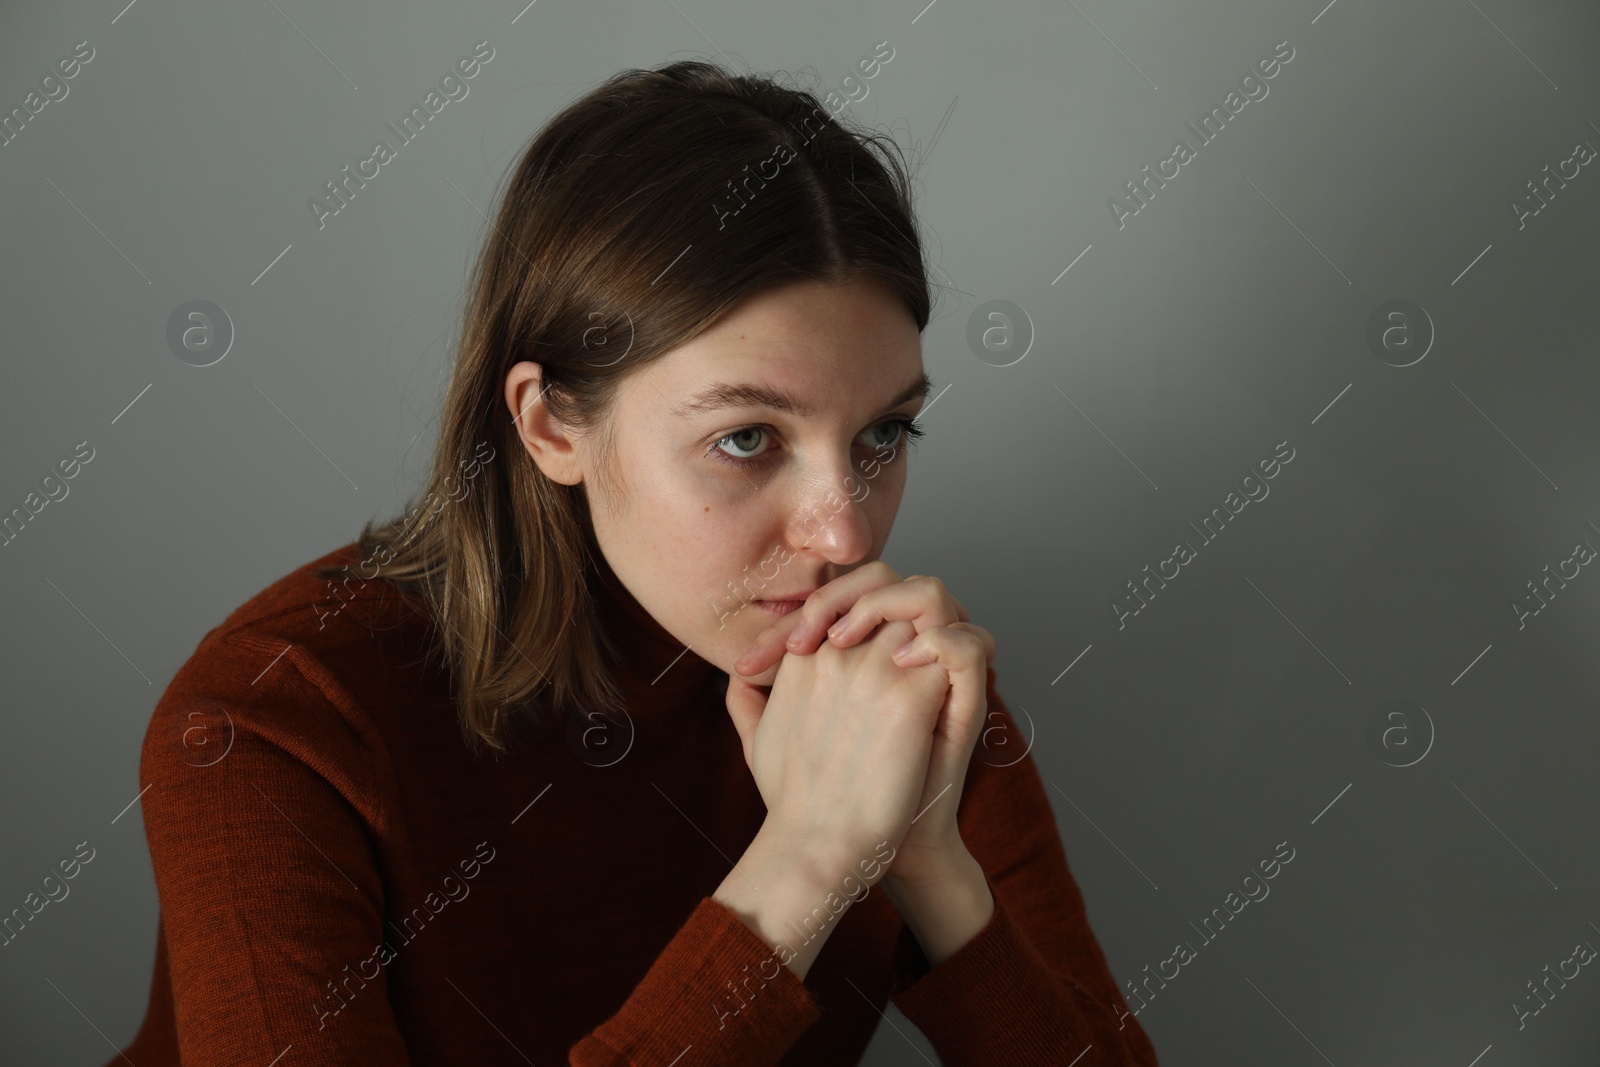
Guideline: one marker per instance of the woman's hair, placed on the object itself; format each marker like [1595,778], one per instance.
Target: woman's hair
[640,215]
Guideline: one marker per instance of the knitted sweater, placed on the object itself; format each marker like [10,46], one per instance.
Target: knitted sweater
[342,883]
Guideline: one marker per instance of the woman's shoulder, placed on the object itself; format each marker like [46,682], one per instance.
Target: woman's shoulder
[309,599]
[324,609]
[284,666]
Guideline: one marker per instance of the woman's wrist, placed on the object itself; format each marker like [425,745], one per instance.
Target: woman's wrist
[776,887]
[944,909]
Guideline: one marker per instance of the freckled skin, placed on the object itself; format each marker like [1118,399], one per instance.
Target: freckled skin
[845,350]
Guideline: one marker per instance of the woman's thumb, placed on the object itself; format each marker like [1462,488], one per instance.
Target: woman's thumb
[745,703]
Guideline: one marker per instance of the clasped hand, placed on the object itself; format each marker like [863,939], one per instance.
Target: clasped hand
[859,713]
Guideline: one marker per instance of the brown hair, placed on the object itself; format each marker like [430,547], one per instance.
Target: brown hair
[641,213]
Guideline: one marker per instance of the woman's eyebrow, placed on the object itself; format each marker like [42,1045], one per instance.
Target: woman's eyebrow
[747,395]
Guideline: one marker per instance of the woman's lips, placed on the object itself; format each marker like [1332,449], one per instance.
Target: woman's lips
[780,607]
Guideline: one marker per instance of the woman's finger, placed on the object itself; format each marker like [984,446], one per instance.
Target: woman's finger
[961,653]
[981,634]
[962,650]
[961,612]
[920,601]
[814,616]
[745,704]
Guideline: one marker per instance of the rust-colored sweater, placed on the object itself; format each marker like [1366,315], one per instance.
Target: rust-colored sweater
[341,883]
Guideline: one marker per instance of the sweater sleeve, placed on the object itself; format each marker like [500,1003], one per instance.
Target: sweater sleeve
[1033,986]
[758,1006]
[267,879]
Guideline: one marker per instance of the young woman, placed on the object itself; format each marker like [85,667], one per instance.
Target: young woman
[594,755]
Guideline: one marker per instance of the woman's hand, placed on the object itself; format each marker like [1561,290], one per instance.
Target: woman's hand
[803,630]
[874,600]
[839,750]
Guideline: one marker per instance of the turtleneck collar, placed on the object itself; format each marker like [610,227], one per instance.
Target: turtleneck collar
[659,679]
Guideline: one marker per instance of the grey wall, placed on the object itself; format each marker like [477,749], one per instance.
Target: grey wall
[1444,847]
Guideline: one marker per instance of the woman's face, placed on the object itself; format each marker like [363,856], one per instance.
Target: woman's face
[725,496]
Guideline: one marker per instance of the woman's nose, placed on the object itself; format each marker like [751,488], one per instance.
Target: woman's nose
[834,522]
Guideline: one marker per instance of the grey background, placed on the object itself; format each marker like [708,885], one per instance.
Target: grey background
[1230,715]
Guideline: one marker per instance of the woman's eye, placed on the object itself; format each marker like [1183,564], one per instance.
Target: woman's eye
[746,445]
[897,430]
[739,437]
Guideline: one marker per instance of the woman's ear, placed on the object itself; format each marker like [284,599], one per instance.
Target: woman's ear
[544,438]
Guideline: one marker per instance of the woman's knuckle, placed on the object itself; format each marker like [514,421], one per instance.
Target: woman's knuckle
[940,592]
[884,570]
